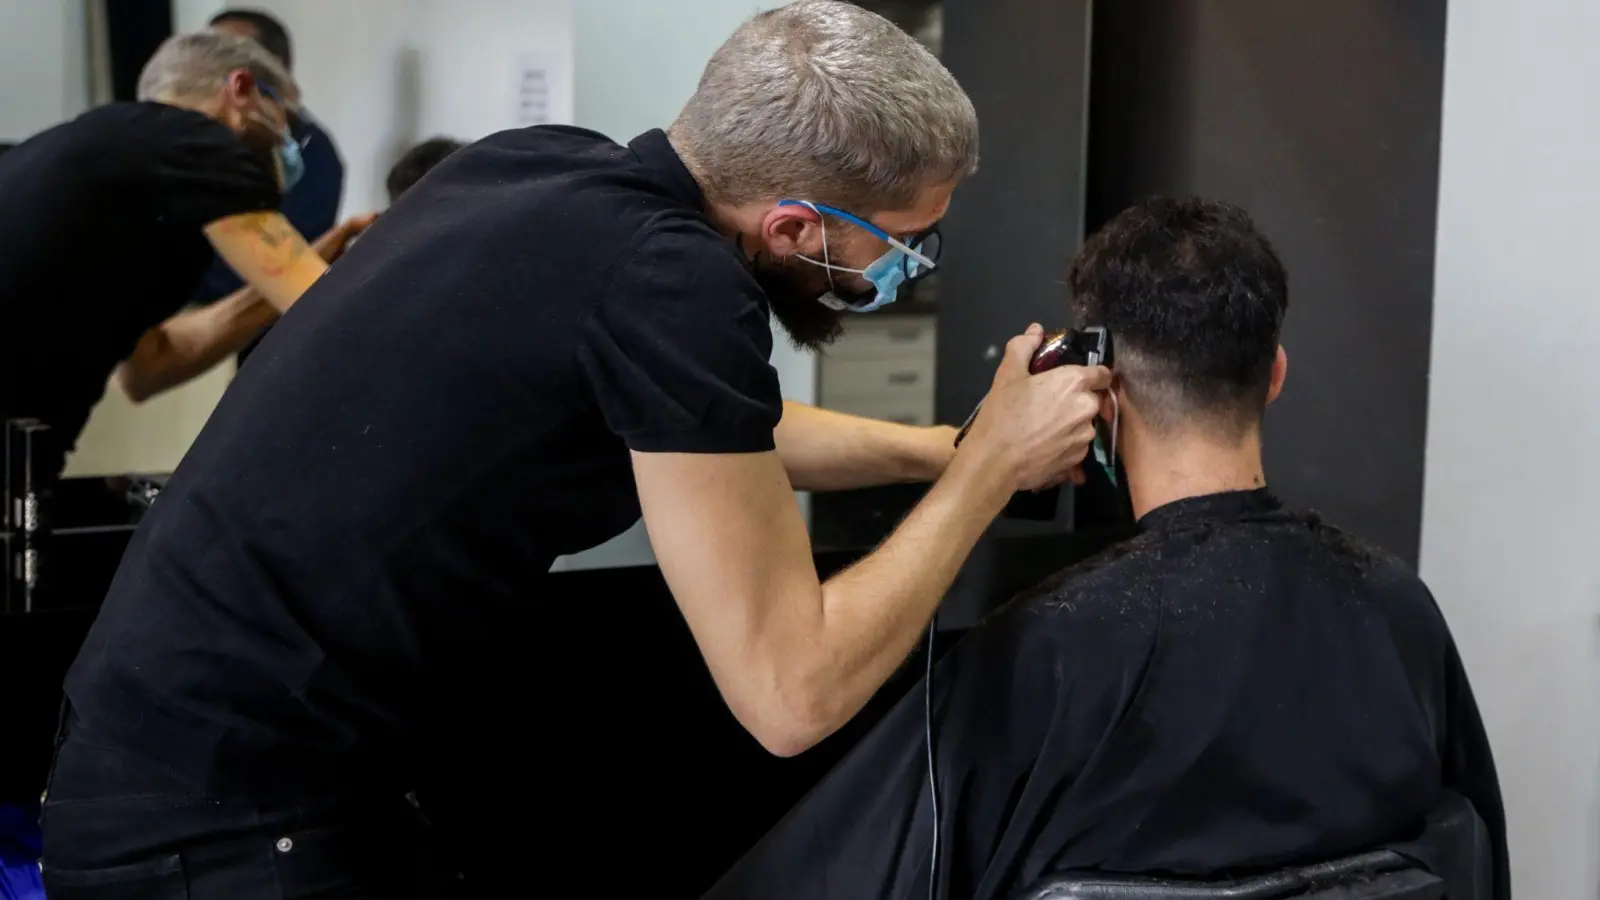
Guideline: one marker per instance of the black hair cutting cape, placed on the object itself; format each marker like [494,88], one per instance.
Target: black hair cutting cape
[1235,690]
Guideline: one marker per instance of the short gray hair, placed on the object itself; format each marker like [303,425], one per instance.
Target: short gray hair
[194,66]
[823,100]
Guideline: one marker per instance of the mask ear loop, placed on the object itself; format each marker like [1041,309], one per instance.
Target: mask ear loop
[1110,460]
[827,264]
[1116,423]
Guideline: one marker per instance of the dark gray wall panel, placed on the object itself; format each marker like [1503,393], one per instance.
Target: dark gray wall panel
[1322,119]
[1012,228]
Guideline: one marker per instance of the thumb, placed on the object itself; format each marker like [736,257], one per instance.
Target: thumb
[1019,353]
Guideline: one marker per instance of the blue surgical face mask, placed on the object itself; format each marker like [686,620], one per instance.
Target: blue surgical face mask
[293,163]
[887,273]
[287,151]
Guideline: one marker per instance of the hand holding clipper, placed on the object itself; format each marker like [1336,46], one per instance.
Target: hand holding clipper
[1040,421]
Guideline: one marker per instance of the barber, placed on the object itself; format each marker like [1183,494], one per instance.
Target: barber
[546,336]
[110,221]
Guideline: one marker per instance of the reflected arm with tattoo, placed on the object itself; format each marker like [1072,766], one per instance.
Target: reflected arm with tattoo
[268,254]
[190,343]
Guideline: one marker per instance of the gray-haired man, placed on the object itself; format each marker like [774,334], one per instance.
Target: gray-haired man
[106,229]
[547,335]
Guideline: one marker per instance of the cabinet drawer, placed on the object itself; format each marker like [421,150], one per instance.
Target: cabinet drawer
[876,377]
[897,337]
[905,410]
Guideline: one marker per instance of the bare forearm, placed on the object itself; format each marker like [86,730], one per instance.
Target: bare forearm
[875,612]
[796,659]
[824,450]
[191,343]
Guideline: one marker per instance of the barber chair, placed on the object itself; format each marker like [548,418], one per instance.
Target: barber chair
[1451,860]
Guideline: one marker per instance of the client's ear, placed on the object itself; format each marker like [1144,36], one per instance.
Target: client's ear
[1280,371]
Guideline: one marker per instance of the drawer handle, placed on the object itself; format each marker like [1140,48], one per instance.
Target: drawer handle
[904,377]
[905,334]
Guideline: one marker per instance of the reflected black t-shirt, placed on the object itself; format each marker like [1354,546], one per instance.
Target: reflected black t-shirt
[373,508]
[101,239]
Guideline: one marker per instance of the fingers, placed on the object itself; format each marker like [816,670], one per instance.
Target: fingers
[1095,378]
[1087,381]
[1019,353]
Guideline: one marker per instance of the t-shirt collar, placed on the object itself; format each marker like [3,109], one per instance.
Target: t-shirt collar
[654,150]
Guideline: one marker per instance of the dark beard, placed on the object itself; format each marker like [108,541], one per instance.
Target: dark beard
[793,289]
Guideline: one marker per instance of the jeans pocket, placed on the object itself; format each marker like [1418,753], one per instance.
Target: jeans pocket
[156,879]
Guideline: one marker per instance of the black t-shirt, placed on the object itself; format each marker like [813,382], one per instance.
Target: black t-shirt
[101,239]
[379,496]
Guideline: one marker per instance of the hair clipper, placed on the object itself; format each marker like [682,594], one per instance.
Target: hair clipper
[1071,347]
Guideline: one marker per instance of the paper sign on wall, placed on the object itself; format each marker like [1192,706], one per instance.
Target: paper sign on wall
[543,88]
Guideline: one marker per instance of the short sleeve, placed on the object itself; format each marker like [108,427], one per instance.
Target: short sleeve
[677,352]
[204,172]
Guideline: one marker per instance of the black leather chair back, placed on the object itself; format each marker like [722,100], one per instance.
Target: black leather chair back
[1448,861]
[1381,875]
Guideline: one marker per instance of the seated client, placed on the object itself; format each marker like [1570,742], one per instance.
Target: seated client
[1236,689]
[417,162]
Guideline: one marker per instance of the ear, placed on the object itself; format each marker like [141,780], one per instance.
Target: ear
[792,229]
[1280,371]
[240,85]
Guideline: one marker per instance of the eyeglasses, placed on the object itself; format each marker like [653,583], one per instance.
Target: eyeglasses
[921,249]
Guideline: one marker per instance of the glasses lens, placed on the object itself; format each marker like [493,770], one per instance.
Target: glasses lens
[928,244]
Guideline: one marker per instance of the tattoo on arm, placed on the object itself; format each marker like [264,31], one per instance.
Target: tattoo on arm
[276,246]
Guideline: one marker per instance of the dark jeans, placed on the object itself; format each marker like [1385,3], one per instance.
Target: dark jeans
[118,827]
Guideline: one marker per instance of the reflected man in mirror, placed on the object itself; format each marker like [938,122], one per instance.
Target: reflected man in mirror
[112,218]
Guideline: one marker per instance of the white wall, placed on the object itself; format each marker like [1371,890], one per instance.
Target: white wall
[385,74]
[1511,537]
[44,52]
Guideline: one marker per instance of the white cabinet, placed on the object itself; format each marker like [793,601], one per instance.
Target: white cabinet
[881,368]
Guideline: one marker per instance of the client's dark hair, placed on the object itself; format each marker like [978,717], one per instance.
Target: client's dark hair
[1194,297]
[416,162]
[269,32]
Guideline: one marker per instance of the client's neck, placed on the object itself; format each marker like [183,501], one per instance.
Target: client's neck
[1163,470]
